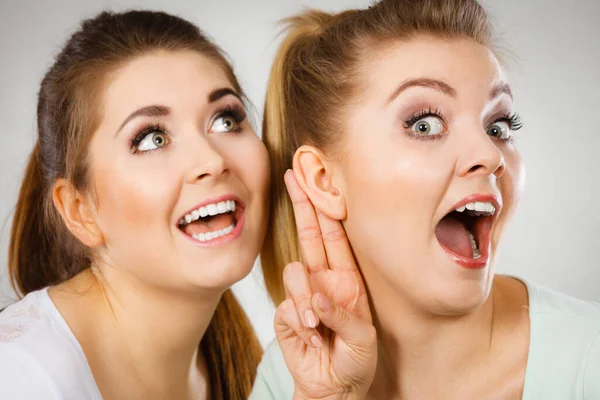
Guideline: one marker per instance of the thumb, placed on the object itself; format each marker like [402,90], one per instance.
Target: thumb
[354,332]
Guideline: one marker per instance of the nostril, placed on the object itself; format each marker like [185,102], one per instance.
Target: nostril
[475,168]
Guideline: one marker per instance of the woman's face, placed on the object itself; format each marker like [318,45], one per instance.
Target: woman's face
[428,140]
[179,176]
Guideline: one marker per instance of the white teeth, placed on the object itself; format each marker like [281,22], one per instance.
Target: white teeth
[476,252]
[204,237]
[478,208]
[230,205]
[210,209]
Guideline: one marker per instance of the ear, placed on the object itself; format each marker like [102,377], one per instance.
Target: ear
[315,175]
[78,213]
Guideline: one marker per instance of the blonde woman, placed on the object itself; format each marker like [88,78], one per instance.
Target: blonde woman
[398,122]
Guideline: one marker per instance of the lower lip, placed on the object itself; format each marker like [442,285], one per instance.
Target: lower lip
[467,262]
[221,240]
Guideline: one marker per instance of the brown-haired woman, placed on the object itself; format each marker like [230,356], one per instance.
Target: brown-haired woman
[144,200]
[397,121]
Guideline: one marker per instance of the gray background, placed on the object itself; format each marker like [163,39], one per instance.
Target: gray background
[554,70]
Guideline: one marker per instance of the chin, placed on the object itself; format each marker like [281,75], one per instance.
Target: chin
[219,275]
[460,296]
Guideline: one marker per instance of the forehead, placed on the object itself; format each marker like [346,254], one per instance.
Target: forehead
[461,62]
[163,77]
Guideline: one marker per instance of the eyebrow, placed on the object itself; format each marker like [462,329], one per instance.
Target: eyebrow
[423,82]
[148,111]
[161,111]
[501,88]
[222,92]
[498,89]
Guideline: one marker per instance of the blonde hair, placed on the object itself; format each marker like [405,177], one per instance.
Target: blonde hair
[67,116]
[316,73]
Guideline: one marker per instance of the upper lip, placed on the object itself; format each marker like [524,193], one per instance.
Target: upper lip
[480,197]
[213,200]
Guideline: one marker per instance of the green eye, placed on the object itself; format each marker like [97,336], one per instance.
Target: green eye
[159,139]
[152,141]
[499,130]
[225,124]
[428,126]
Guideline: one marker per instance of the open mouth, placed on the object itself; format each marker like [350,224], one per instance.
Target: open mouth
[211,221]
[465,232]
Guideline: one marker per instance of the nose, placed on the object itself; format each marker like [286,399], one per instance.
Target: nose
[206,162]
[481,156]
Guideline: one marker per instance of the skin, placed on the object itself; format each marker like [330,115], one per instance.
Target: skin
[142,309]
[450,325]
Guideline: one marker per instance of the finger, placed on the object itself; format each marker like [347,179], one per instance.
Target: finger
[353,331]
[337,248]
[307,225]
[297,288]
[288,328]
[340,258]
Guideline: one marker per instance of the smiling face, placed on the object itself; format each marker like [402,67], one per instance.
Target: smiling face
[179,177]
[430,134]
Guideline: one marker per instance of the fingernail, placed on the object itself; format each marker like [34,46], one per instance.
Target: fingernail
[310,318]
[316,341]
[324,302]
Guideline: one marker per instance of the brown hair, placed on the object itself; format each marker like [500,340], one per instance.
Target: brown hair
[42,251]
[316,73]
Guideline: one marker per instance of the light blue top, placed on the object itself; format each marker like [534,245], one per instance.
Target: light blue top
[563,362]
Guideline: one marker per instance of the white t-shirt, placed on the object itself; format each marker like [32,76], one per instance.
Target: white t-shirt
[40,358]
[564,352]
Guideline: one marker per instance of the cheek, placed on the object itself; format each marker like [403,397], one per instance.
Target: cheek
[511,186]
[250,161]
[135,198]
[392,191]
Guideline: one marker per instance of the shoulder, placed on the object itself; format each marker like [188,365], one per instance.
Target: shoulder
[545,301]
[273,380]
[23,377]
[37,344]
[591,379]
[565,343]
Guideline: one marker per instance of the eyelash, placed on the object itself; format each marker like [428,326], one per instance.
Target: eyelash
[423,114]
[236,112]
[419,116]
[513,120]
[143,132]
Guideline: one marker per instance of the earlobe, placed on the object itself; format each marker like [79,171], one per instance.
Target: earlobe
[315,175]
[78,213]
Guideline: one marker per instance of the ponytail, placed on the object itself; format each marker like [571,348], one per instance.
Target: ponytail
[284,129]
[232,351]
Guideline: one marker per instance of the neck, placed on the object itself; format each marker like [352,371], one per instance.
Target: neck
[147,331]
[418,347]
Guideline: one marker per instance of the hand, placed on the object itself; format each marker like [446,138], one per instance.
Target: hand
[324,327]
